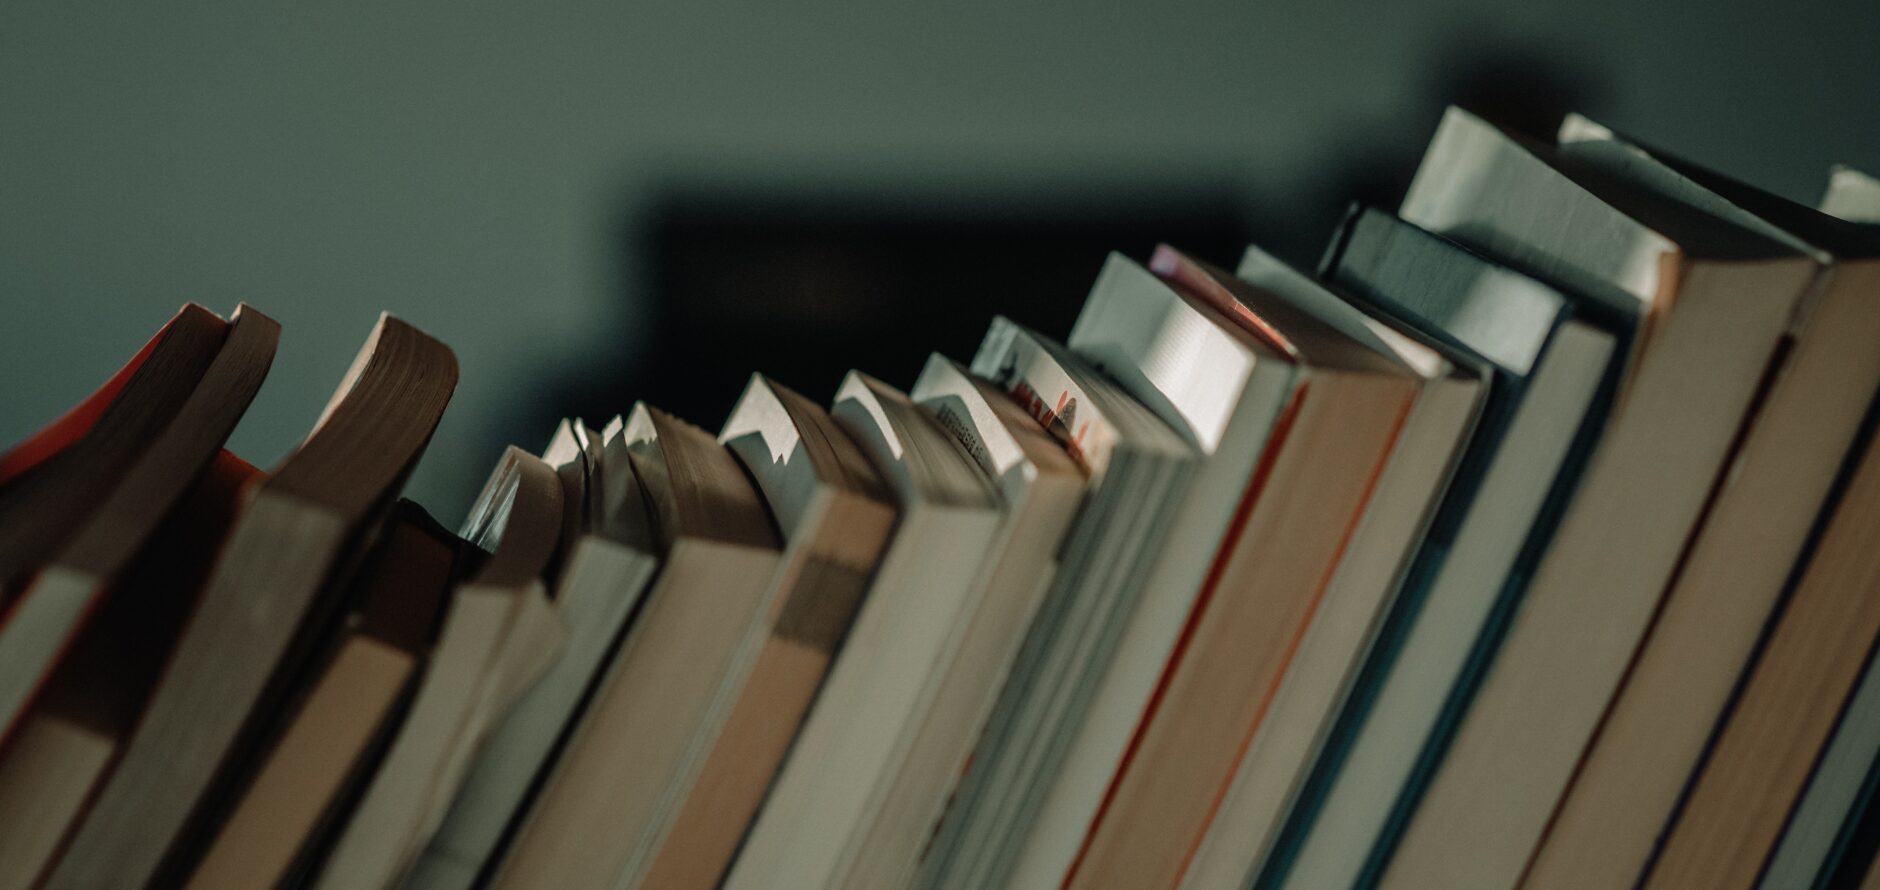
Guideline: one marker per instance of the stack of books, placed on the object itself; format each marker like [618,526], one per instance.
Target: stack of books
[1533,540]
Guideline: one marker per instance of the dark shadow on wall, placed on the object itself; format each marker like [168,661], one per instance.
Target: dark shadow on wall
[1527,88]
[806,288]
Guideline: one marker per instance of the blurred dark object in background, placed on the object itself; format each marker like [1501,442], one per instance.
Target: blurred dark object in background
[803,290]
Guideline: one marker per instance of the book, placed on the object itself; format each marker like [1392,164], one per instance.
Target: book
[1855,848]
[1134,327]
[271,576]
[1276,748]
[71,428]
[1114,556]
[56,479]
[1318,471]
[1814,840]
[499,634]
[1713,301]
[42,618]
[1547,365]
[328,745]
[1734,568]
[68,738]
[837,516]
[608,564]
[1852,195]
[1042,488]
[827,791]
[1763,751]
[719,554]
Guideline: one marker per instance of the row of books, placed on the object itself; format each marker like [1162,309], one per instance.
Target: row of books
[1530,542]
